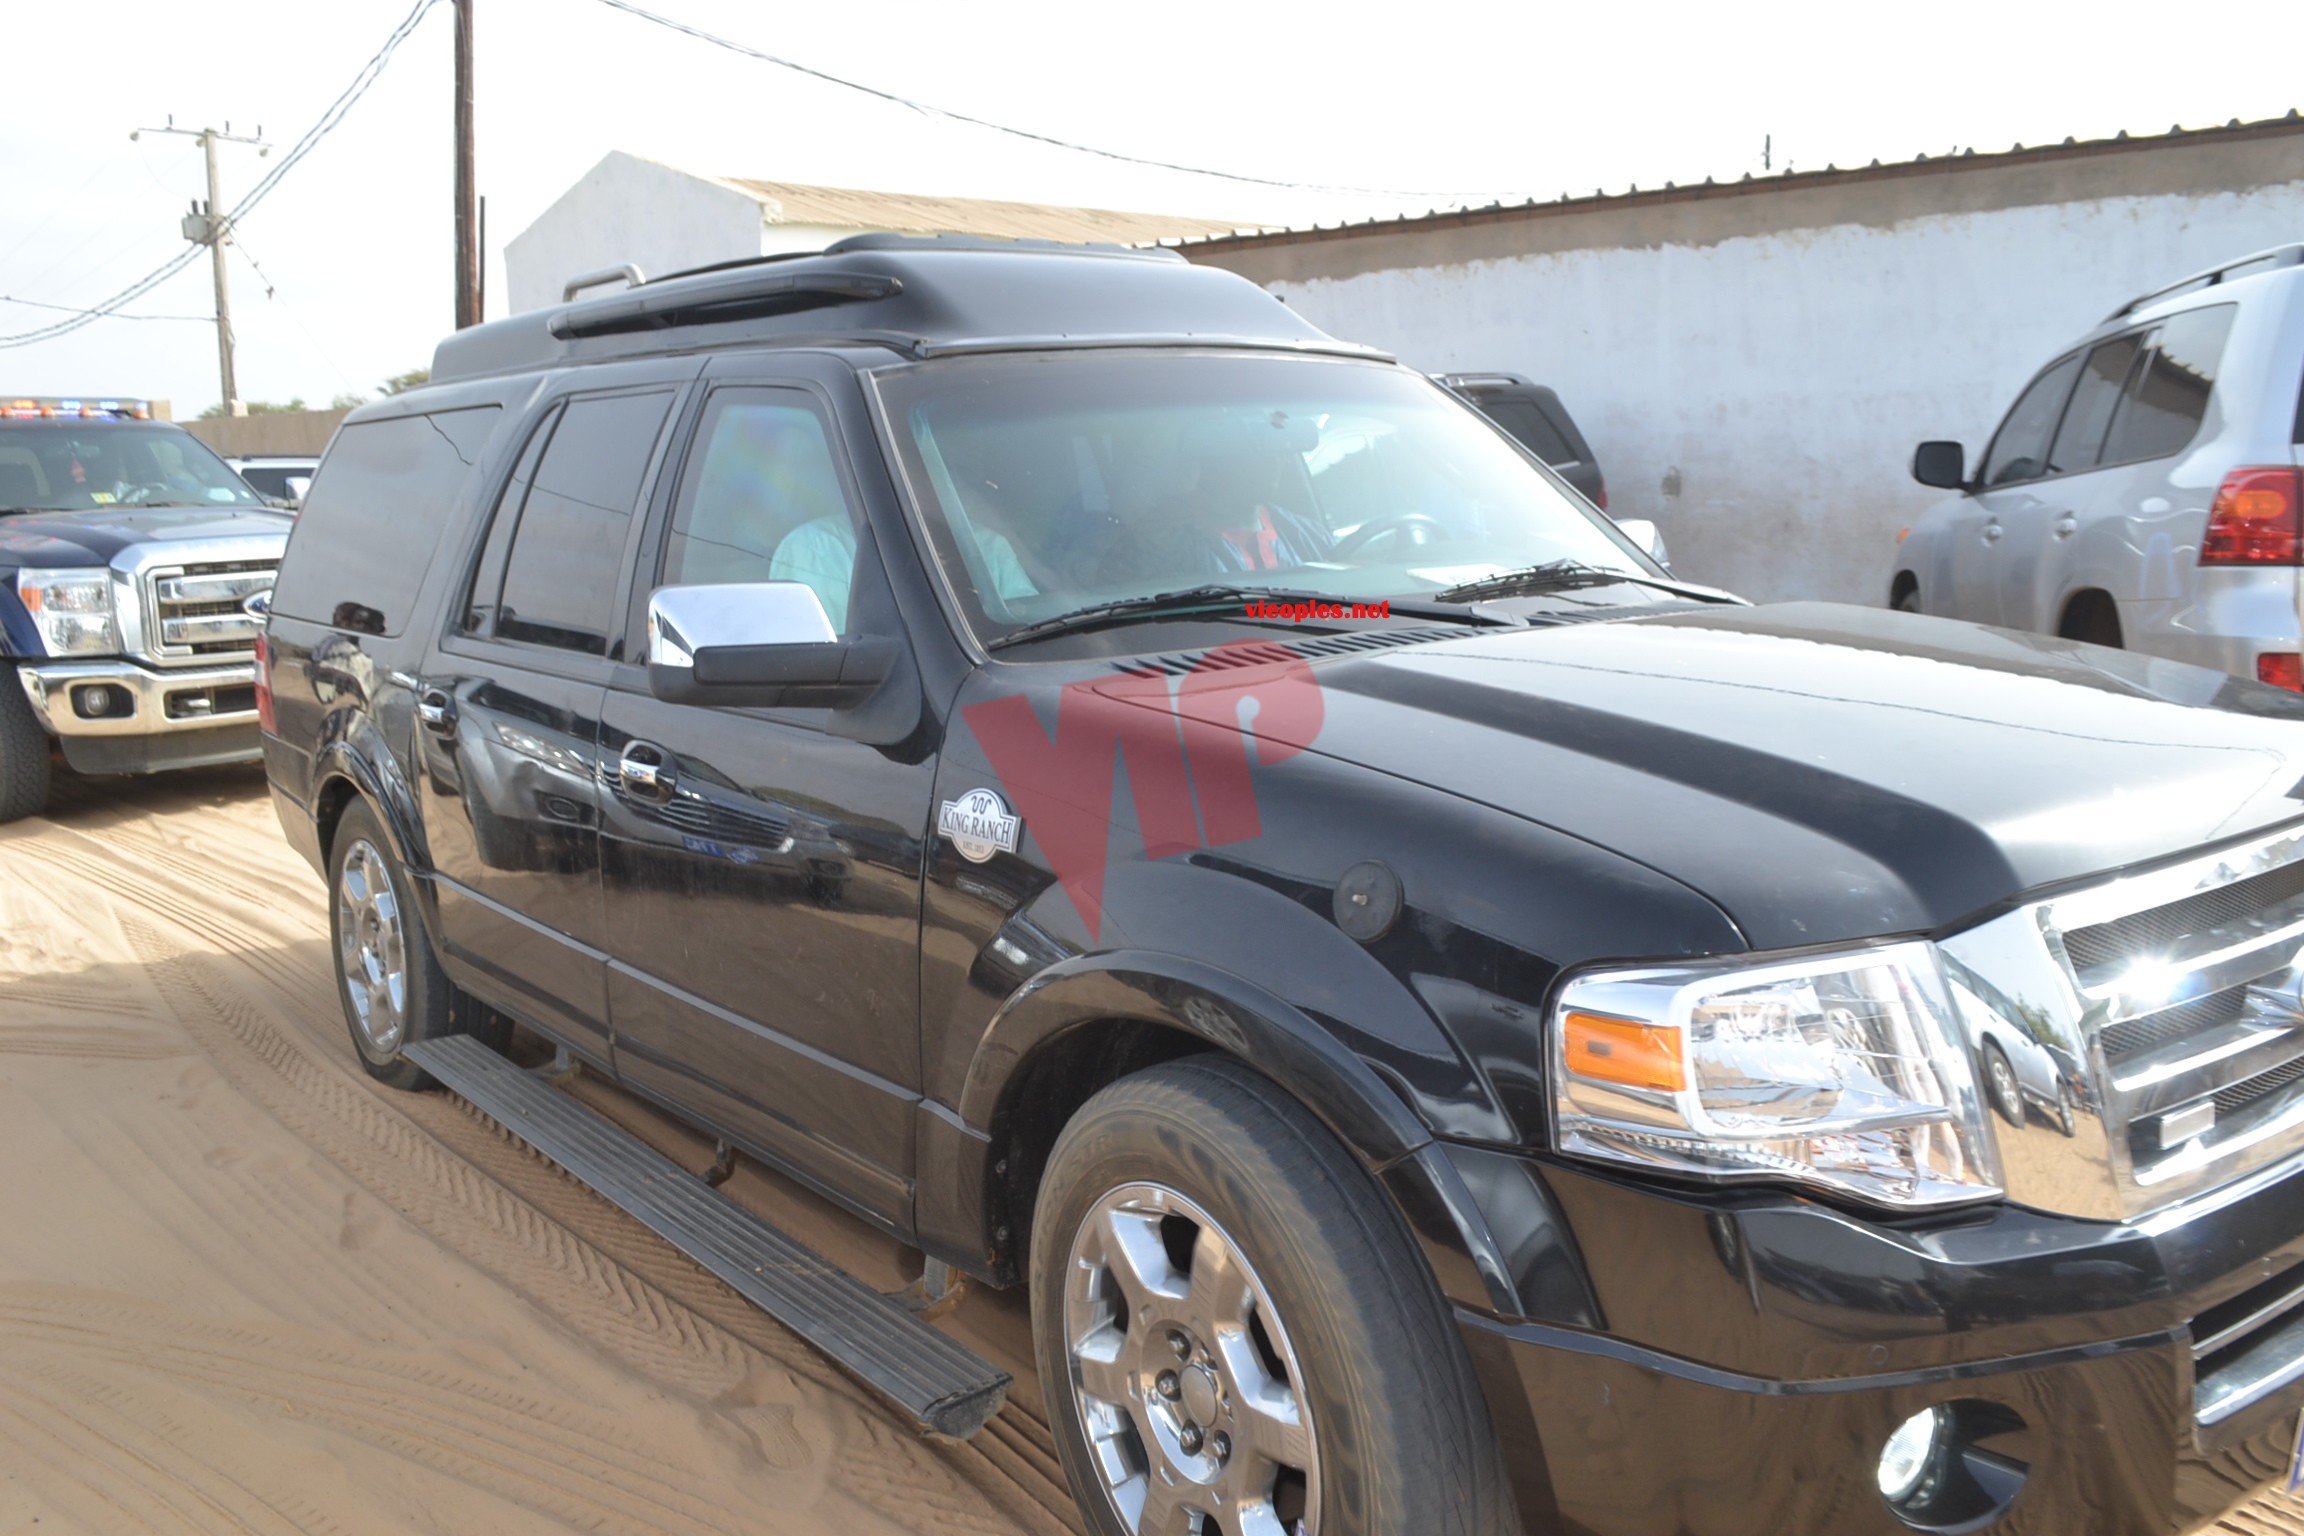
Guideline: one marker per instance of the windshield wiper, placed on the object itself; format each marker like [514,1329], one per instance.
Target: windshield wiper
[1217,597]
[1558,576]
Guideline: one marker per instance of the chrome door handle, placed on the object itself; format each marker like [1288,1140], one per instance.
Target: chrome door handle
[2067,525]
[1993,533]
[437,710]
[645,770]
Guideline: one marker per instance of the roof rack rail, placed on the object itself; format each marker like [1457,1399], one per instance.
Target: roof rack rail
[632,275]
[740,294]
[2247,266]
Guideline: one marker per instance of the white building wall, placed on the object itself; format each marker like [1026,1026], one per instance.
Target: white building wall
[1759,394]
[626,209]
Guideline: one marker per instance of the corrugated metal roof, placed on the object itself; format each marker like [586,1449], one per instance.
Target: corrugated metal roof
[1961,160]
[907,213]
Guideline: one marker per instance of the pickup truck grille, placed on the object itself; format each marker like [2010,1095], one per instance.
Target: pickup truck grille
[193,611]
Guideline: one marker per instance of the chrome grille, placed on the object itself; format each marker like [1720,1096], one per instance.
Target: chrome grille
[2192,924]
[2247,1348]
[2133,1037]
[2144,1037]
[193,611]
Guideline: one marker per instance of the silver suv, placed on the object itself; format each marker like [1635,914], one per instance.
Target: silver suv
[2144,490]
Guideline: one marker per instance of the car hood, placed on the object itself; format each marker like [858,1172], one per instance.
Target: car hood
[1826,772]
[94,536]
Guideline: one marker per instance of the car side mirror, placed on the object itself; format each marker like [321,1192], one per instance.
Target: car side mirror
[759,644]
[1941,464]
[1644,532]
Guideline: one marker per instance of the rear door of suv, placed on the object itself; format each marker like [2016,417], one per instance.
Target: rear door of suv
[761,869]
[509,700]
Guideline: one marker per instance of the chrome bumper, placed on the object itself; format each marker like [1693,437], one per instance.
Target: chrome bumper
[182,699]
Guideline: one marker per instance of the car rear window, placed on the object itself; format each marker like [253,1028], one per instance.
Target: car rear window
[1531,426]
[376,509]
[2167,398]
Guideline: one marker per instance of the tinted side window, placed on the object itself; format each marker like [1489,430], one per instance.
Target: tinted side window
[375,512]
[2080,440]
[1532,427]
[2168,398]
[568,547]
[2019,450]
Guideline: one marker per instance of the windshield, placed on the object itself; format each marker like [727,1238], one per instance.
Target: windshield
[1056,482]
[72,466]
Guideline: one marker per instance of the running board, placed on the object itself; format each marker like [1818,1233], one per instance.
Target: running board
[941,1384]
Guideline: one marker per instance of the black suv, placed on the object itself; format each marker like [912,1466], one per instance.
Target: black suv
[1515,1055]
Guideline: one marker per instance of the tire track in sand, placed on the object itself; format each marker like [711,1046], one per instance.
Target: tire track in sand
[708,1352]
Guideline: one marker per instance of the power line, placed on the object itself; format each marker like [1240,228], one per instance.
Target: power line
[256,194]
[69,310]
[731,46]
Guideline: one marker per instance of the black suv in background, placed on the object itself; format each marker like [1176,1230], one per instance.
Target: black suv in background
[1510,1058]
[1533,414]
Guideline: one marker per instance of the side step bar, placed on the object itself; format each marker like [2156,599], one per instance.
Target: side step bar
[942,1385]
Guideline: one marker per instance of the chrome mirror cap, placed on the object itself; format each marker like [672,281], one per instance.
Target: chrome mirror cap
[685,620]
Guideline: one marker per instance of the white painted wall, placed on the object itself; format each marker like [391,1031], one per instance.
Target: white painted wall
[630,209]
[1759,395]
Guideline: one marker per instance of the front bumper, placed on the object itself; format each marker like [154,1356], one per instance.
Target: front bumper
[141,702]
[1756,1353]
[186,717]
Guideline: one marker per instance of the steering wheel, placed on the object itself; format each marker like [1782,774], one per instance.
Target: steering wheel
[1419,527]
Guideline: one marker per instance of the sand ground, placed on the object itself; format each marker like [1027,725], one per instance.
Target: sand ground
[243,1289]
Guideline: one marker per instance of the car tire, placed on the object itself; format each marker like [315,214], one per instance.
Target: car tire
[1908,600]
[2067,1113]
[390,984]
[1200,1246]
[24,753]
[2000,1083]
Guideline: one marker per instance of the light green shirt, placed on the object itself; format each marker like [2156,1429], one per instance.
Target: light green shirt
[822,553]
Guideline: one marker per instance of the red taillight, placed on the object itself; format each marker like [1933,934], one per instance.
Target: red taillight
[1600,496]
[2257,519]
[264,684]
[2282,669]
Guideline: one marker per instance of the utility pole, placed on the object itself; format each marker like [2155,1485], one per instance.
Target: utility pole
[206,225]
[468,254]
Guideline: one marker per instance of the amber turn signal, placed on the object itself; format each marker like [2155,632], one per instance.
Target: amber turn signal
[1621,1051]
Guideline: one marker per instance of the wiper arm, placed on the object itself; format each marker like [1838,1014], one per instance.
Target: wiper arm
[1558,576]
[1218,596]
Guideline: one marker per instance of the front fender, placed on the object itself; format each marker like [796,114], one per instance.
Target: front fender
[1488,1226]
[1230,1013]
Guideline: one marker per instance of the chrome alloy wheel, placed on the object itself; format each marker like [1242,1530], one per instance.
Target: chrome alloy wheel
[371,951]
[1189,1394]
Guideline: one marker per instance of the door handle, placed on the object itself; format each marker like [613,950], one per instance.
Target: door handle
[1993,532]
[645,770]
[437,710]
[2067,525]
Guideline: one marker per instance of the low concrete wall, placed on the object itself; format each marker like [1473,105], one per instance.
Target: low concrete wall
[272,432]
[1754,363]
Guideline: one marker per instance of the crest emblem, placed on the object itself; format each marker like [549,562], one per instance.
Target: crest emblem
[979,825]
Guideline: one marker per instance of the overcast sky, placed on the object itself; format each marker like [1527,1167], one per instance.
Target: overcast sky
[1416,103]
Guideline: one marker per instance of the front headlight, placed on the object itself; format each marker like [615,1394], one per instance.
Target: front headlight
[73,609]
[1843,1072]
